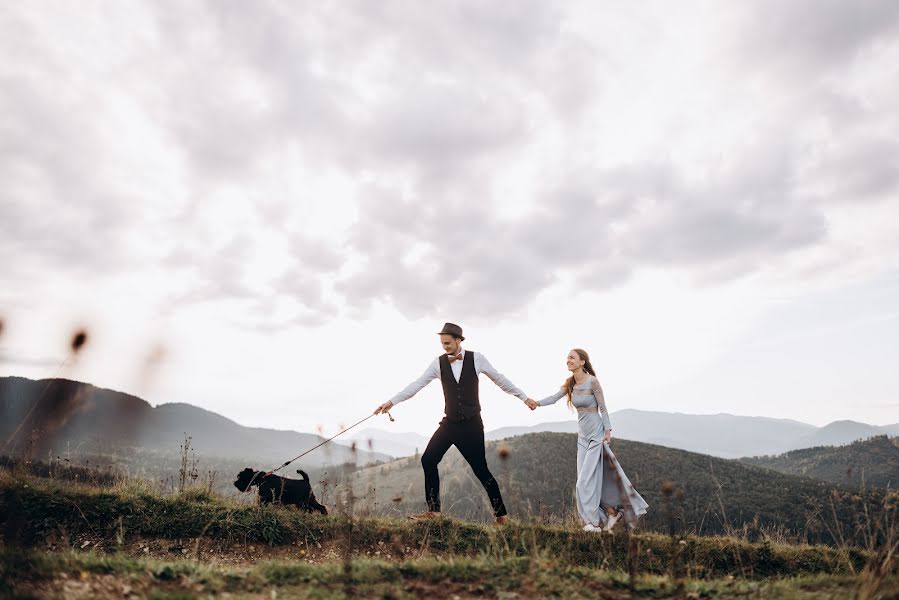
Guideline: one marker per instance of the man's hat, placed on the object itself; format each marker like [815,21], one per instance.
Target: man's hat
[453,330]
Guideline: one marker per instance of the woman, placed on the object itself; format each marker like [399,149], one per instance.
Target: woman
[604,493]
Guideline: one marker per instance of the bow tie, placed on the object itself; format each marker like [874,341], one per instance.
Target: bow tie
[453,359]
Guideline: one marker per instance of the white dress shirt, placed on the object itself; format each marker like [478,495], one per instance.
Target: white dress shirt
[481,365]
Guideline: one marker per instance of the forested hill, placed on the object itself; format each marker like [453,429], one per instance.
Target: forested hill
[871,462]
[57,416]
[686,490]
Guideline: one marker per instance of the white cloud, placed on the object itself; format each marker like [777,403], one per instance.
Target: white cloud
[293,168]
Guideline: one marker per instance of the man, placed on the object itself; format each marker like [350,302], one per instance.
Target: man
[461,426]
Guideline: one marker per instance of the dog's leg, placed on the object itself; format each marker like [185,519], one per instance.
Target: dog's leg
[314,505]
[267,493]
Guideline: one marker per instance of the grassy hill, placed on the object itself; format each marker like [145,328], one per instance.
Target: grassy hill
[64,539]
[871,462]
[88,575]
[104,536]
[686,491]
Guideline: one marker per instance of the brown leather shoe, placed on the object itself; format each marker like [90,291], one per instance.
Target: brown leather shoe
[503,520]
[425,515]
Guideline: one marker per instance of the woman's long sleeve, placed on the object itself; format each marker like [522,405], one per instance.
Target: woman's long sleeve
[552,399]
[601,403]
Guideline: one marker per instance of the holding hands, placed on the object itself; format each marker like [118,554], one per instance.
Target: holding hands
[532,404]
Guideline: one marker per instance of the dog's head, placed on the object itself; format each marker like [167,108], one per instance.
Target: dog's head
[246,478]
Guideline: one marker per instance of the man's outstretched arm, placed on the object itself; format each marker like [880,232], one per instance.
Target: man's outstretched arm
[431,373]
[482,365]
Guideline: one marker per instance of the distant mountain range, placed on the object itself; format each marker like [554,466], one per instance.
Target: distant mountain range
[58,416]
[73,415]
[839,433]
[722,435]
[873,462]
[387,442]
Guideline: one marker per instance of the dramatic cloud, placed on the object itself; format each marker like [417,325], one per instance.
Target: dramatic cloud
[483,153]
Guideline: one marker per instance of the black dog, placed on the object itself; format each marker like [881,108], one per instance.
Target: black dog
[280,490]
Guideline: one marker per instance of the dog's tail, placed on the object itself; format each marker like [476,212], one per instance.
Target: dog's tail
[303,473]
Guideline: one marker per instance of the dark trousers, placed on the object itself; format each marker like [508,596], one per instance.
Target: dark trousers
[468,437]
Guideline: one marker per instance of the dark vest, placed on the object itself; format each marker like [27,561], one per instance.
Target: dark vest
[461,399]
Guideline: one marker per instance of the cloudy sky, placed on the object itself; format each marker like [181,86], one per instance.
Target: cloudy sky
[268,209]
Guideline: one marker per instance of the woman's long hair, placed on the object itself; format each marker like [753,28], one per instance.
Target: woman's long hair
[569,383]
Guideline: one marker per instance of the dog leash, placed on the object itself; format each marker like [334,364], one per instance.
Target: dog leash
[328,440]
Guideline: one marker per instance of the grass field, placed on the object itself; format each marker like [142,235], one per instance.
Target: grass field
[70,540]
[112,576]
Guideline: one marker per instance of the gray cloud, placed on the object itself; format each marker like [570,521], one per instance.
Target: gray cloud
[55,203]
[221,274]
[469,126]
[423,108]
[307,290]
[599,226]
[217,275]
[318,256]
[437,101]
[863,166]
[309,308]
[807,36]
[811,50]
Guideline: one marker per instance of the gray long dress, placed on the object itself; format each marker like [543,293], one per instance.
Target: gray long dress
[601,481]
